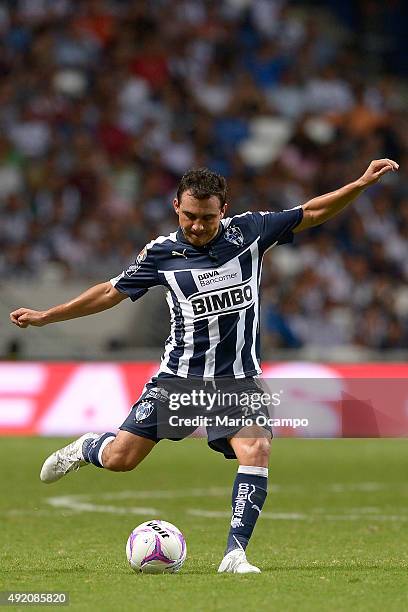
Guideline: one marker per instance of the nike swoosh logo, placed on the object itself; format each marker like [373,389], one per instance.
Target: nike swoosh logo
[182,254]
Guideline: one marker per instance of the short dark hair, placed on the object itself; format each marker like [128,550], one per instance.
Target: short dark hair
[203,183]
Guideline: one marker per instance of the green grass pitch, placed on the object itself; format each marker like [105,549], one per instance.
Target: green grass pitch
[333,534]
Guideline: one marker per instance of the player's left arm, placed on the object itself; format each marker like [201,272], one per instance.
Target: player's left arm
[324,207]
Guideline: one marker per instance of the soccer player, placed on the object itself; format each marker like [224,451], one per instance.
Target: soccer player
[211,266]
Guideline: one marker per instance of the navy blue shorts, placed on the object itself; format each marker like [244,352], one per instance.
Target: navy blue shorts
[154,416]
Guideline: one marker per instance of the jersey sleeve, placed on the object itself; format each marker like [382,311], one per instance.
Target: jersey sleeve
[277,227]
[136,280]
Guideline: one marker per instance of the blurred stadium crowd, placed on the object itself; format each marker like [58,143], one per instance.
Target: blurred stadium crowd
[104,105]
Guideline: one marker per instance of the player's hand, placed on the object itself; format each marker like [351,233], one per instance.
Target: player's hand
[23,317]
[377,169]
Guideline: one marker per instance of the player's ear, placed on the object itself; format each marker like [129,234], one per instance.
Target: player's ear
[176,205]
[223,210]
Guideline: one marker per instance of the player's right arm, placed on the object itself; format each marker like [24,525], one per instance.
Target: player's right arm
[95,299]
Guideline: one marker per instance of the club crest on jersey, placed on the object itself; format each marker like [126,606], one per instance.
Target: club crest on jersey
[234,235]
[144,410]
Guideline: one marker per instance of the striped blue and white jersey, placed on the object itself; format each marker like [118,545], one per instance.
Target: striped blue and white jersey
[213,293]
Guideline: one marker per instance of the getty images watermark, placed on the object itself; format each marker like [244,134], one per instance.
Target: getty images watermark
[221,408]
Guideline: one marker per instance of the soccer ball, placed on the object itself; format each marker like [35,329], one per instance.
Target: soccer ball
[156,547]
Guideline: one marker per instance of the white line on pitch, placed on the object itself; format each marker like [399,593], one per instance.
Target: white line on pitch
[294,516]
[78,504]
[73,503]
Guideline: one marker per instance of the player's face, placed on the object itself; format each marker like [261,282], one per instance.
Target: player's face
[199,219]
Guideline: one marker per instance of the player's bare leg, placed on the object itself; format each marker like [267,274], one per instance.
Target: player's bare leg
[126,451]
[252,448]
[120,453]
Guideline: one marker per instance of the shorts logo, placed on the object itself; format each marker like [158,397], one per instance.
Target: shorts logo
[233,234]
[144,410]
[158,393]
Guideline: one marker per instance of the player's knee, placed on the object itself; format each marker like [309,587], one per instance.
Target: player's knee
[255,451]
